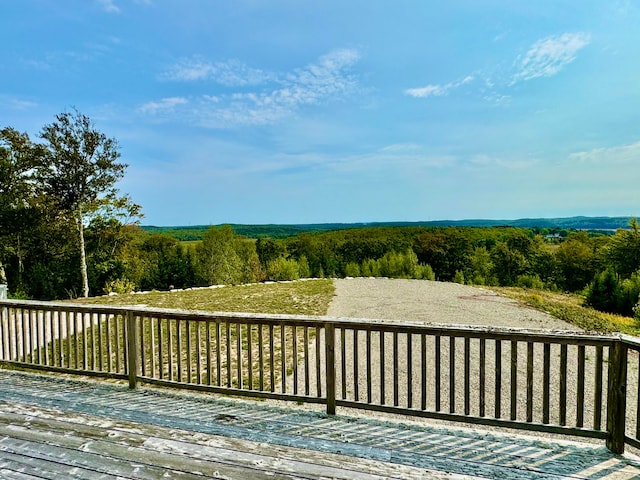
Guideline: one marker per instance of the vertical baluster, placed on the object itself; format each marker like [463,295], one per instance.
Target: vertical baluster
[306,361]
[283,358]
[294,355]
[152,343]
[25,334]
[189,350]
[483,377]
[228,347]
[85,340]
[514,379]
[272,369]
[239,354]
[563,384]
[546,382]
[396,373]
[318,363]
[92,325]
[343,363]
[170,323]
[142,346]
[580,391]
[76,339]
[36,347]
[467,375]
[261,357]
[179,348]
[116,320]
[161,362]
[597,410]
[68,337]
[409,371]
[498,378]
[437,373]
[218,354]
[382,367]
[452,374]
[48,338]
[250,354]
[423,371]
[529,381]
[207,325]
[356,358]
[369,379]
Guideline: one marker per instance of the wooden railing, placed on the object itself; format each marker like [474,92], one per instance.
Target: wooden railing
[557,382]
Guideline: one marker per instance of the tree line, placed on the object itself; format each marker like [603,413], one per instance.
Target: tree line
[66,231]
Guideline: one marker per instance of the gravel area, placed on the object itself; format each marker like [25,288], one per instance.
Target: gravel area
[449,303]
[434,302]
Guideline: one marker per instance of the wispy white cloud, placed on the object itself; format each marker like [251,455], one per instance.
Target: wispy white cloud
[11,102]
[232,73]
[279,95]
[549,55]
[164,105]
[109,6]
[617,155]
[437,90]
[545,58]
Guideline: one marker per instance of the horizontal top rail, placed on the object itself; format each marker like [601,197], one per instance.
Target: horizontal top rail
[453,330]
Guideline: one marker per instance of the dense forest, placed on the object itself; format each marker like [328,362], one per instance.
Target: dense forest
[65,231]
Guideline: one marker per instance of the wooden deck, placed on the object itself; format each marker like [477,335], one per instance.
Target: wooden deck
[53,427]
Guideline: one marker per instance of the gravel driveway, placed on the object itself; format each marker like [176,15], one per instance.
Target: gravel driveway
[434,302]
[449,303]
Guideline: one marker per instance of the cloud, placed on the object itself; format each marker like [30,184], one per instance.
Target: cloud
[166,104]
[545,58]
[231,73]
[437,90]
[549,55]
[280,93]
[109,6]
[608,156]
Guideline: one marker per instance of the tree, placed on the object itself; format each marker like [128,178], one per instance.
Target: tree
[624,250]
[217,260]
[80,172]
[18,199]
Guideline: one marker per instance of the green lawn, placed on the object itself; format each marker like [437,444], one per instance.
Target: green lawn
[568,307]
[309,297]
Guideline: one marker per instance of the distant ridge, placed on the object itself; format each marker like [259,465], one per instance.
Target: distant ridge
[288,230]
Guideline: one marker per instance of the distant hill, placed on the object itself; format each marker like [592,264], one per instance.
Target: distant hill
[282,231]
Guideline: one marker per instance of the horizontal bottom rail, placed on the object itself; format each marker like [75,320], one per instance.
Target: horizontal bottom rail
[231,391]
[492,422]
[71,371]
[634,442]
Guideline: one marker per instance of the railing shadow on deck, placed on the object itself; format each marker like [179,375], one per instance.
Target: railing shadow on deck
[564,383]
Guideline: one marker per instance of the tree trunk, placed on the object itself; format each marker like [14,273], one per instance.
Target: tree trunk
[83,257]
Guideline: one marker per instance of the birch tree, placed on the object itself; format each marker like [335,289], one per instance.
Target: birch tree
[80,172]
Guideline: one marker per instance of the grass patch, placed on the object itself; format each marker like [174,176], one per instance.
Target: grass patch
[568,307]
[310,297]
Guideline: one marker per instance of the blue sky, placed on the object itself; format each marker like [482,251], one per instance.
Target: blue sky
[295,111]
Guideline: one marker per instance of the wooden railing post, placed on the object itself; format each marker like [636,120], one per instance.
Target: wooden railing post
[330,366]
[132,343]
[617,397]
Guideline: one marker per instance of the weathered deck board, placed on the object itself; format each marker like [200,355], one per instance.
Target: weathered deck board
[105,431]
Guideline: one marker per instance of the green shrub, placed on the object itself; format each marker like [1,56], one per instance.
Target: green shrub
[530,281]
[458,277]
[425,272]
[352,269]
[120,286]
[282,269]
[604,293]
